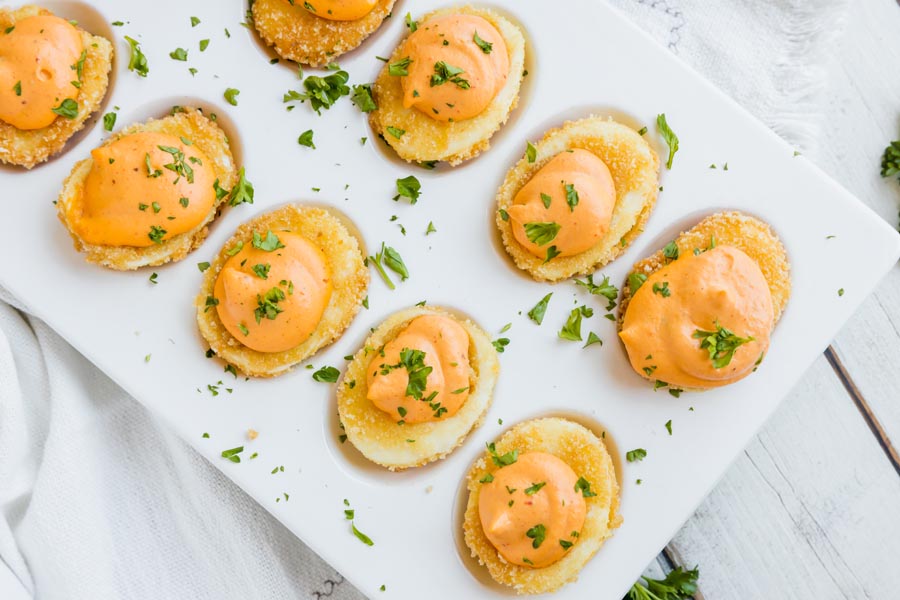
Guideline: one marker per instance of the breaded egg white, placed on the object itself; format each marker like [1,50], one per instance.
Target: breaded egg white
[300,36]
[28,148]
[634,167]
[322,227]
[208,137]
[426,139]
[377,436]
[750,235]
[587,455]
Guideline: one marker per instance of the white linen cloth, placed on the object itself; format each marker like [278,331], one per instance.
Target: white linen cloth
[99,500]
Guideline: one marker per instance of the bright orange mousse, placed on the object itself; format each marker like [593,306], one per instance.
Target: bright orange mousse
[457,65]
[41,60]
[568,205]
[532,511]
[143,189]
[273,292]
[338,10]
[677,325]
[422,374]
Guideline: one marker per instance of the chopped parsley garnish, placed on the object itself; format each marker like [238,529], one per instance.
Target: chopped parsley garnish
[571,196]
[327,375]
[584,486]
[530,152]
[486,47]
[593,338]
[362,98]
[400,68]
[890,161]
[361,536]
[231,95]
[178,54]
[604,288]
[240,193]
[488,478]
[538,534]
[394,262]
[431,228]
[68,109]
[635,281]
[396,131]
[669,426]
[636,455]
[109,121]
[541,233]
[269,244]
[572,329]
[178,165]
[137,62]
[565,544]
[503,214]
[267,304]
[669,136]
[203,266]
[500,345]
[194,21]
[18,88]
[444,73]
[535,488]
[663,290]
[502,460]
[156,234]
[233,454]
[408,187]
[306,139]
[413,26]
[204,44]
[262,270]
[671,251]
[721,344]
[537,313]
[322,92]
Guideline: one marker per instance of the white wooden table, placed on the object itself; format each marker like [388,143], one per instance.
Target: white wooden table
[812,507]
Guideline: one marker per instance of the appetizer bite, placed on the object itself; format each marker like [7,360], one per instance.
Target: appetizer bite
[147,194]
[53,77]
[286,284]
[316,32]
[422,381]
[450,85]
[578,199]
[542,500]
[698,314]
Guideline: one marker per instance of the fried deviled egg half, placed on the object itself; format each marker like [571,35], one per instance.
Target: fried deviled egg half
[542,500]
[317,32]
[578,200]
[449,85]
[421,382]
[699,313]
[147,194]
[53,77]
[287,284]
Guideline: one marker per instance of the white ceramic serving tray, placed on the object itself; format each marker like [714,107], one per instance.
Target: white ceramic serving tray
[590,62]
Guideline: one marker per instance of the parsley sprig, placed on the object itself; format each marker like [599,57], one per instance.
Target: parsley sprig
[721,344]
[677,585]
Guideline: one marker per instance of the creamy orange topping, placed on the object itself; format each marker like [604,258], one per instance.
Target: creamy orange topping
[338,10]
[664,324]
[422,374]
[533,510]
[142,189]
[273,300]
[457,64]
[567,205]
[39,70]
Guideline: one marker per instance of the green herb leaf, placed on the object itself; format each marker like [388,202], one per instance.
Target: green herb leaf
[572,329]
[408,187]
[534,488]
[530,152]
[194,21]
[362,98]
[241,192]
[269,244]
[538,533]
[413,26]
[604,288]
[584,486]
[721,344]
[500,344]
[537,313]
[444,72]
[326,375]
[204,44]
[394,262]
[677,585]
[593,338]
[395,131]
[541,233]
[137,62]
[231,95]
[178,54]
[502,460]
[636,455]
[306,139]
[232,454]
[109,121]
[400,68]
[361,536]
[486,47]
[635,281]
[571,196]
[669,136]
[68,109]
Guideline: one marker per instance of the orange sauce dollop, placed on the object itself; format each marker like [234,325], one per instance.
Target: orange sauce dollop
[338,10]
[39,70]
[422,374]
[722,287]
[457,65]
[532,512]
[142,189]
[273,300]
[568,204]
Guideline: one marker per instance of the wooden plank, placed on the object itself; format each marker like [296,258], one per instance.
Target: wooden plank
[863,115]
[809,510]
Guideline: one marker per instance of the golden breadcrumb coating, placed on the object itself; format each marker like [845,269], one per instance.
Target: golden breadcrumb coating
[377,436]
[208,138]
[349,276]
[634,167]
[300,36]
[587,455]
[454,142]
[27,148]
